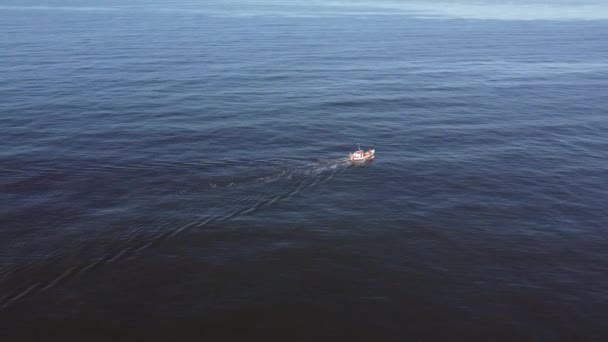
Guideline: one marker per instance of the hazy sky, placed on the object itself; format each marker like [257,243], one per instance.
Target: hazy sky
[471,9]
[463,9]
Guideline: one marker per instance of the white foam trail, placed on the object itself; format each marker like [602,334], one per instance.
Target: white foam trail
[20,295]
[307,177]
[60,277]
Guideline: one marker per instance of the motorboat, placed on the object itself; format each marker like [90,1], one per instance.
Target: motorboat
[361,156]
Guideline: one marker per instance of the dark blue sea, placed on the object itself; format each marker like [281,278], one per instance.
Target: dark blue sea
[178,171]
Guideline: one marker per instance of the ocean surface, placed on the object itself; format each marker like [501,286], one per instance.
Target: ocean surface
[178,171]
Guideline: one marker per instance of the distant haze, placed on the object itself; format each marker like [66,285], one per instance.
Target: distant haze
[442,9]
[489,9]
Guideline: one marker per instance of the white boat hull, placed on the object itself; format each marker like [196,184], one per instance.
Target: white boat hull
[362,156]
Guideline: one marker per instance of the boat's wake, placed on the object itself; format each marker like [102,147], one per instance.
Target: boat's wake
[233,197]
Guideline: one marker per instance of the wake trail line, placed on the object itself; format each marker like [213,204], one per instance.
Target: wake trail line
[254,196]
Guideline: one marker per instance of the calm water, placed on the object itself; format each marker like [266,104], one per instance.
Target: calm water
[180,172]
